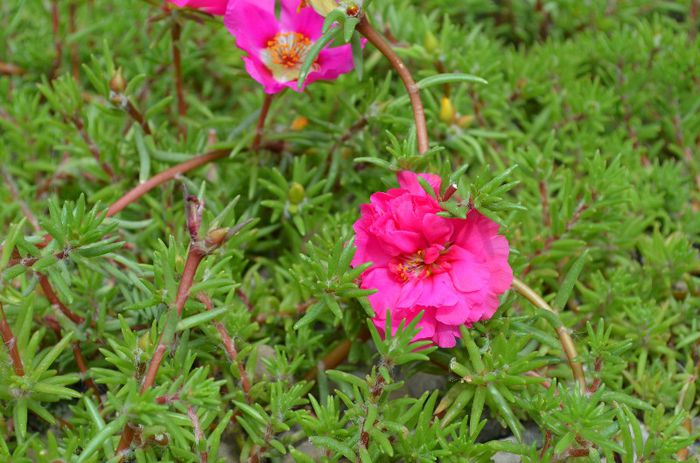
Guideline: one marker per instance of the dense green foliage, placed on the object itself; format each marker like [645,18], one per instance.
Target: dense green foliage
[583,145]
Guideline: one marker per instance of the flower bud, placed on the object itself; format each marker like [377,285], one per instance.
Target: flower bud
[299,123]
[296,193]
[430,42]
[353,10]
[465,121]
[145,342]
[322,7]
[217,236]
[118,83]
[447,110]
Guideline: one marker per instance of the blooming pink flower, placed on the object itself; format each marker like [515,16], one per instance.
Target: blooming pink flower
[217,7]
[276,49]
[452,269]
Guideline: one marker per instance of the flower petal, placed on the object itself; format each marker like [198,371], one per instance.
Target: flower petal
[409,180]
[305,20]
[261,74]
[468,272]
[216,7]
[252,23]
[388,289]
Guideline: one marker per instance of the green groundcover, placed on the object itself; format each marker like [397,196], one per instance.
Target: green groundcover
[195,270]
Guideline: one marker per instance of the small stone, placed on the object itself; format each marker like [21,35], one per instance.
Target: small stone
[265,352]
[420,382]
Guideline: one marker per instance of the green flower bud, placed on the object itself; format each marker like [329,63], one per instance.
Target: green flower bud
[296,193]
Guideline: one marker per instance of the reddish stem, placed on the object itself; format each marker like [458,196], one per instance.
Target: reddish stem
[260,128]
[9,69]
[80,361]
[150,378]
[138,117]
[194,258]
[55,301]
[14,192]
[163,177]
[383,46]
[125,441]
[198,434]
[92,146]
[229,346]
[11,343]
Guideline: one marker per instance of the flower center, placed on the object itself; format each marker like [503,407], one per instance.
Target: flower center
[285,53]
[422,264]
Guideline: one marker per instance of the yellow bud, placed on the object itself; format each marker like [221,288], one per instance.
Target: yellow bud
[447,111]
[430,42]
[322,7]
[296,193]
[465,121]
[299,123]
[118,83]
[145,342]
[217,236]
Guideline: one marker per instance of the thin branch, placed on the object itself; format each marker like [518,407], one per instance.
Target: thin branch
[9,69]
[11,343]
[92,146]
[198,250]
[229,347]
[82,367]
[14,192]
[163,177]
[138,117]
[136,193]
[198,434]
[194,258]
[260,128]
[564,338]
[383,46]
[56,302]
[118,98]
[549,242]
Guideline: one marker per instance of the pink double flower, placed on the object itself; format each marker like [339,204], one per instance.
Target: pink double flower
[452,269]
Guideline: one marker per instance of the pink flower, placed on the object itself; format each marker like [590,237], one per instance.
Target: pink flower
[452,269]
[277,48]
[217,7]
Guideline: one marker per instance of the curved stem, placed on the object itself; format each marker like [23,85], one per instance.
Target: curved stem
[567,343]
[163,177]
[383,46]
[56,302]
[11,343]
